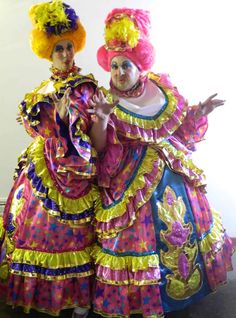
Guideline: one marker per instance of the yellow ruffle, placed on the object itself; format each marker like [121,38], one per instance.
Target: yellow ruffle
[4,271]
[215,236]
[67,82]
[188,168]
[131,263]
[2,230]
[52,260]
[36,154]
[146,167]
[32,99]
[161,119]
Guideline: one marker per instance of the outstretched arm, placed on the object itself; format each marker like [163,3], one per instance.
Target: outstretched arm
[195,123]
[205,108]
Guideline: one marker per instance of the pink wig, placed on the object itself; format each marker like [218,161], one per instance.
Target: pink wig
[143,54]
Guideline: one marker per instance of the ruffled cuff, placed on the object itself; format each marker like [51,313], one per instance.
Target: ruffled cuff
[192,130]
[30,107]
[73,141]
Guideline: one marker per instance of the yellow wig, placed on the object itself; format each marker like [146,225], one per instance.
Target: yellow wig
[53,14]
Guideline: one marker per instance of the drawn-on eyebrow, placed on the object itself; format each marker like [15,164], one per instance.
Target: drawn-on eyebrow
[58,47]
[126,64]
[114,65]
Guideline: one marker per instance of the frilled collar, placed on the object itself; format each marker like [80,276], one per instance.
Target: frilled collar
[58,75]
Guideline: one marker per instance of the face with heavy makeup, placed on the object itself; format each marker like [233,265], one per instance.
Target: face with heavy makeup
[124,73]
[63,55]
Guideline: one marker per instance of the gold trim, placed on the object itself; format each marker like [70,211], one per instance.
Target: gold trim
[164,117]
[52,260]
[129,282]
[52,278]
[131,263]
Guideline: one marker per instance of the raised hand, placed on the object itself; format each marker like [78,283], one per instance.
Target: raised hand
[62,104]
[208,106]
[19,119]
[100,106]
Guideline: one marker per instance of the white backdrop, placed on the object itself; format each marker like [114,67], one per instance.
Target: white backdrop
[195,45]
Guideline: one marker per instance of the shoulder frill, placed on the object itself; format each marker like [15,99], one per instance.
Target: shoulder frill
[153,128]
[30,107]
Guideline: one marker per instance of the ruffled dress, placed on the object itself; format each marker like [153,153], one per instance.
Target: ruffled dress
[46,233]
[161,246]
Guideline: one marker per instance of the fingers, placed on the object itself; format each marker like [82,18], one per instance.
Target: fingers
[219,104]
[115,102]
[211,101]
[54,98]
[65,96]
[100,106]
[91,103]
[91,110]
[96,99]
[102,97]
[212,96]
[19,119]
[218,101]
[99,98]
[67,92]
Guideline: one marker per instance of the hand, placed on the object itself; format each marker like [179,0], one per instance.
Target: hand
[19,119]
[100,107]
[205,108]
[62,104]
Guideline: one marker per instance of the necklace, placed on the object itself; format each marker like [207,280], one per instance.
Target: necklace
[135,91]
[58,74]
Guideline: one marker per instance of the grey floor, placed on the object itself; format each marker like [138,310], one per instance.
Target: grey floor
[221,304]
